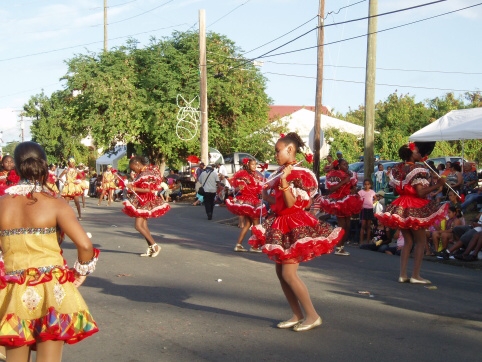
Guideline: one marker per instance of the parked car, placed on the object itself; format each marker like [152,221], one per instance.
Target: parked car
[444,159]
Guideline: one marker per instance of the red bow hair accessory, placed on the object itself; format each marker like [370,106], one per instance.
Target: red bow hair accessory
[263,166]
[246,160]
[281,135]
[411,145]
[335,163]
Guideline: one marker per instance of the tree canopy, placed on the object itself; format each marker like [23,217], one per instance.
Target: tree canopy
[129,95]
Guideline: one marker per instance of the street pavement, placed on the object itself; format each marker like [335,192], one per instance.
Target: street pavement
[200,301]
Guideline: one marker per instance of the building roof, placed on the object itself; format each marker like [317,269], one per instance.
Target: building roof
[277,112]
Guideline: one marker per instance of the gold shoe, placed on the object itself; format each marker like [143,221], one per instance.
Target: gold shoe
[420,281]
[306,327]
[288,324]
[403,280]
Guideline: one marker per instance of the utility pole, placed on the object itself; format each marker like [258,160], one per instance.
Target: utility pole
[105,25]
[319,91]
[203,87]
[22,128]
[369,156]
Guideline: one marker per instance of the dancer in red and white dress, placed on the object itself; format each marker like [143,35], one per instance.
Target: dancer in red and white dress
[291,235]
[342,200]
[412,212]
[247,201]
[8,175]
[142,202]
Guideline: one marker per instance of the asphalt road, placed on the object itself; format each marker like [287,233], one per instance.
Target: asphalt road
[201,301]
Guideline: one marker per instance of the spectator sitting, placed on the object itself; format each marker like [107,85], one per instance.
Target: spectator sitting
[176,191]
[472,250]
[463,236]
[474,196]
[470,179]
[454,200]
[380,240]
[165,192]
[446,236]
[454,177]
[396,250]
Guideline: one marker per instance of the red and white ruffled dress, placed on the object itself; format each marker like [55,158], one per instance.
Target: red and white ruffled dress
[146,204]
[247,202]
[8,179]
[342,202]
[293,235]
[409,211]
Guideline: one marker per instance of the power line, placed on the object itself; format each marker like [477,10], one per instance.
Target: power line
[339,23]
[222,17]
[145,12]
[281,36]
[381,68]
[364,35]
[378,84]
[82,45]
[343,7]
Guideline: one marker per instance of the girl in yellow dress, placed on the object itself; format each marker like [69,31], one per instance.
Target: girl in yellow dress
[108,185]
[40,304]
[72,189]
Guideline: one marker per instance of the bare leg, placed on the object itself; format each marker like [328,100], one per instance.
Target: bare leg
[362,231]
[344,223]
[369,230]
[77,205]
[143,229]
[49,351]
[101,197]
[419,237]
[297,293]
[111,197]
[247,224]
[18,354]
[405,254]
[83,200]
[290,295]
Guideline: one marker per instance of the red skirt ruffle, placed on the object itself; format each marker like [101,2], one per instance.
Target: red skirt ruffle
[70,328]
[408,212]
[295,238]
[347,206]
[246,208]
[148,207]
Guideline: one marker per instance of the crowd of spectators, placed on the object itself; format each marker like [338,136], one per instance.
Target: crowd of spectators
[453,238]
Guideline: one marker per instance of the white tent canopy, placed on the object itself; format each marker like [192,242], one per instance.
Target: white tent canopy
[110,158]
[462,124]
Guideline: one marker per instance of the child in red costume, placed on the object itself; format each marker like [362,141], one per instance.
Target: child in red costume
[291,234]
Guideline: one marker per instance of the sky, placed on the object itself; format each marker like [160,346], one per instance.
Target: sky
[425,58]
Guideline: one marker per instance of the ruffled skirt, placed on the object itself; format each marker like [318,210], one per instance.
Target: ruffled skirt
[53,310]
[146,206]
[344,207]
[252,208]
[295,238]
[409,212]
[72,190]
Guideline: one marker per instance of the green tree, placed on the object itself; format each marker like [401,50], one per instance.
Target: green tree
[56,127]
[130,95]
